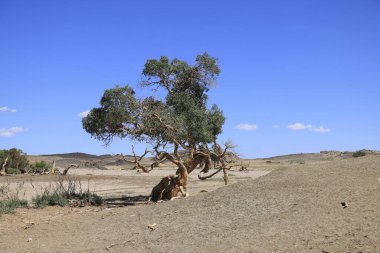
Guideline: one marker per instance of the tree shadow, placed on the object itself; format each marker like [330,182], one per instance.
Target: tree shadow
[127,201]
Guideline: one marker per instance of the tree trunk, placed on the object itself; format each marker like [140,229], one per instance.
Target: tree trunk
[225,176]
[52,171]
[166,189]
[170,186]
[3,171]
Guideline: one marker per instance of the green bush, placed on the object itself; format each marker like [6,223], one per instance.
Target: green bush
[91,198]
[65,189]
[56,199]
[96,199]
[13,171]
[359,153]
[38,167]
[49,199]
[10,205]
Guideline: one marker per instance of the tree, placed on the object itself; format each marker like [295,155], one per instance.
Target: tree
[181,121]
[13,160]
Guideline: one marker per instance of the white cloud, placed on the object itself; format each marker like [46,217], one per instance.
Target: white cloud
[7,109]
[10,132]
[300,126]
[320,129]
[83,114]
[247,127]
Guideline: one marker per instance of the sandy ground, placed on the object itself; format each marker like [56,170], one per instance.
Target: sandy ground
[295,208]
[116,183]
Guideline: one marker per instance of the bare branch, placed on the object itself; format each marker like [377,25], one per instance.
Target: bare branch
[64,172]
[211,175]
[138,161]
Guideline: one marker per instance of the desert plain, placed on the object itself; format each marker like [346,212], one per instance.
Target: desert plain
[323,202]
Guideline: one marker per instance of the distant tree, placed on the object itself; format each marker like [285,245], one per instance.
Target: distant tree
[14,160]
[359,153]
[180,127]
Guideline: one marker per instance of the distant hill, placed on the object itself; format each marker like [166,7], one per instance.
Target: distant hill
[76,155]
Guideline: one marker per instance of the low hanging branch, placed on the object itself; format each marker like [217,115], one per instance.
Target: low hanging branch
[209,176]
[225,174]
[218,158]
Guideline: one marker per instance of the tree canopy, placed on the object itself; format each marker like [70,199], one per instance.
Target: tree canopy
[182,117]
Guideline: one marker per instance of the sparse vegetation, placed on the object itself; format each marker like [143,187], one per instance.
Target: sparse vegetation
[9,201]
[10,205]
[66,190]
[39,167]
[49,199]
[359,153]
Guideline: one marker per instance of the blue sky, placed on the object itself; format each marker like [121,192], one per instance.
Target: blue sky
[297,76]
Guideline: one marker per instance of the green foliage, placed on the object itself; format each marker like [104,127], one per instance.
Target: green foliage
[13,171]
[118,107]
[96,199]
[10,205]
[56,198]
[181,116]
[89,197]
[49,199]
[359,153]
[39,166]
[17,160]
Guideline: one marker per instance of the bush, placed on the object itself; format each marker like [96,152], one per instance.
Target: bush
[10,205]
[96,199]
[90,198]
[9,200]
[49,199]
[66,189]
[13,171]
[38,167]
[56,199]
[359,153]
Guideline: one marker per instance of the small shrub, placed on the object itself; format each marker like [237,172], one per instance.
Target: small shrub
[65,190]
[38,167]
[49,199]
[10,205]
[90,198]
[359,153]
[97,200]
[13,171]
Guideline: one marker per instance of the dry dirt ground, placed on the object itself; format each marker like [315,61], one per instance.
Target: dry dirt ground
[297,207]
